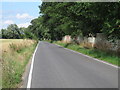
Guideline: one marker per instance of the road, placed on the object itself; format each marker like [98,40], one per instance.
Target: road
[56,67]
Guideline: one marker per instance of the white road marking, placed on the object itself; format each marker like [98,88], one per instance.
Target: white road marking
[90,57]
[31,68]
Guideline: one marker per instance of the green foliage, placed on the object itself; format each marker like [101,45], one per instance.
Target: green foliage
[12,32]
[70,18]
[79,19]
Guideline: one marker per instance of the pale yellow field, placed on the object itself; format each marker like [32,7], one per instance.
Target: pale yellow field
[5,43]
[15,54]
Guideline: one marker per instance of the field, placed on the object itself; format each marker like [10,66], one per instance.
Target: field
[15,54]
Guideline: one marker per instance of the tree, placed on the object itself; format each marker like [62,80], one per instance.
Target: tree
[58,19]
[12,32]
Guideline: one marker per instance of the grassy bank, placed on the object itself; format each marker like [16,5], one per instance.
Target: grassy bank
[108,57]
[15,55]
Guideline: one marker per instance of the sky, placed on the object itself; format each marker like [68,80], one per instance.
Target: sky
[20,13]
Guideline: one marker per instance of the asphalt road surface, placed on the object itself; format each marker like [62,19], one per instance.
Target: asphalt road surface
[56,67]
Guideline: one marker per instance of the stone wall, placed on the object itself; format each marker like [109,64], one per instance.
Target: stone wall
[100,42]
[67,39]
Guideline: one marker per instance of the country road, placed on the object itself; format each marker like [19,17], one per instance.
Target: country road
[56,67]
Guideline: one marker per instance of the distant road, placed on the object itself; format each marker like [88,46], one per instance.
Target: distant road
[56,67]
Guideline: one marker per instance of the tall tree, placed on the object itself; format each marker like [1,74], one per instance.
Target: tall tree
[12,32]
[62,18]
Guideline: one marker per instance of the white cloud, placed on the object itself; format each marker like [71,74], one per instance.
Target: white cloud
[8,22]
[23,16]
[24,25]
[0,24]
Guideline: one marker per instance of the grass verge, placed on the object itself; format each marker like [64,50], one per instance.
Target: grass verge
[108,57]
[14,61]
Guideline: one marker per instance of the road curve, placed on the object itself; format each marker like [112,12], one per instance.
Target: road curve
[55,67]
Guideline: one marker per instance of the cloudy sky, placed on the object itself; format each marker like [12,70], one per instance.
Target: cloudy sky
[20,13]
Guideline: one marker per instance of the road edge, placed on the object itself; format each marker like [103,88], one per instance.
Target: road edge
[90,57]
[31,67]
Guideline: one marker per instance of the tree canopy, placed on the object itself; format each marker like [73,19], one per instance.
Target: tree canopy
[12,32]
[62,18]
[72,18]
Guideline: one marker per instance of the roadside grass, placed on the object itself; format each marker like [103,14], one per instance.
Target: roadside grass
[101,55]
[15,55]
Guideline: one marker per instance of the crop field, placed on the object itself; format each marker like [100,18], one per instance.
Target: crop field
[15,54]
[5,43]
